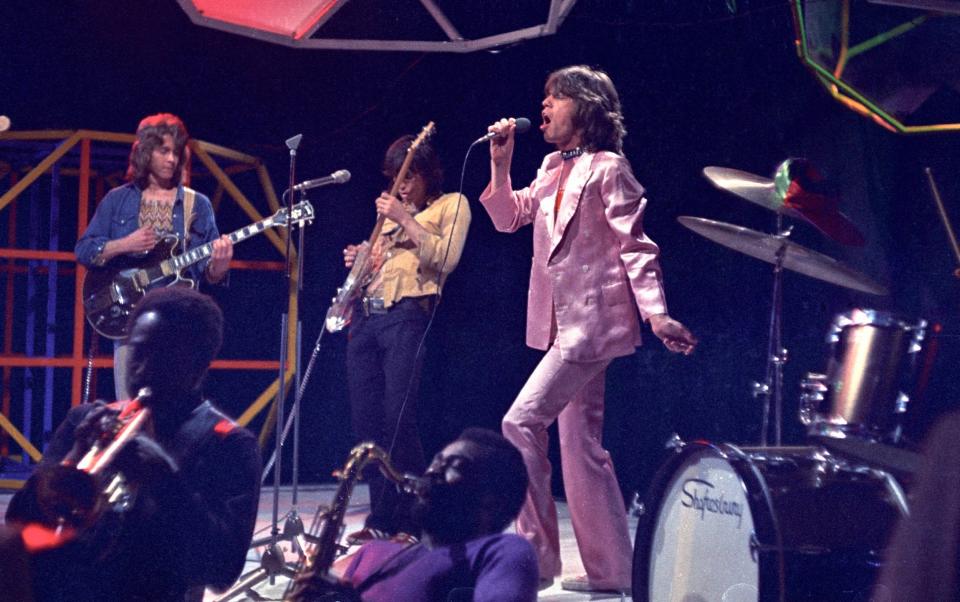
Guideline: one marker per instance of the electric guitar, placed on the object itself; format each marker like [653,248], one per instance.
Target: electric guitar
[111,292]
[341,309]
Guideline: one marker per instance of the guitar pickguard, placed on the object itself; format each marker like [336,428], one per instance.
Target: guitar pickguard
[110,293]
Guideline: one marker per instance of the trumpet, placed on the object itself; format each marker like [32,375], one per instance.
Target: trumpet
[116,432]
[73,494]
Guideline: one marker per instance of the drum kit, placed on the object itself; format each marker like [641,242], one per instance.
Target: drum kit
[731,523]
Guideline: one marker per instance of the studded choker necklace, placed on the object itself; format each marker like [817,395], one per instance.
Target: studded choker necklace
[570,154]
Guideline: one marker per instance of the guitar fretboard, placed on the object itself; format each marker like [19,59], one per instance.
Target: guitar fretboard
[203,251]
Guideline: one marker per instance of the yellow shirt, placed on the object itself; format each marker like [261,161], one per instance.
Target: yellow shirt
[409,270]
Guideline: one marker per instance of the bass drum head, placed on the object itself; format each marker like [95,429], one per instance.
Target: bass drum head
[730,524]
[695,541]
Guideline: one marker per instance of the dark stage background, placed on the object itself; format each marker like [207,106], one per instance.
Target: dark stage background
[703,82]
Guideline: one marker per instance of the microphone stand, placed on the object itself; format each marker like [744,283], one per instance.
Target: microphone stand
[272,561]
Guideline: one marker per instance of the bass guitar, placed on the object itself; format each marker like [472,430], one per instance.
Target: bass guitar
[111,292]
[341,309]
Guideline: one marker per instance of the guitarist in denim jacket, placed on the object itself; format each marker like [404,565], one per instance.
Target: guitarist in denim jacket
[131,219]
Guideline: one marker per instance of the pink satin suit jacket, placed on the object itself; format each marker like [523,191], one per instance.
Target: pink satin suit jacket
[592,264]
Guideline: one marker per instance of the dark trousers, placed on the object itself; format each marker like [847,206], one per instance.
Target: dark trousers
[383,375]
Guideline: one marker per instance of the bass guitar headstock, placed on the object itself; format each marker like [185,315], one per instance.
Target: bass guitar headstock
[425,133]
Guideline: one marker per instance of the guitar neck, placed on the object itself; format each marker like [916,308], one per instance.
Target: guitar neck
[188,258]
[394,189]
[377,228]
[360,267]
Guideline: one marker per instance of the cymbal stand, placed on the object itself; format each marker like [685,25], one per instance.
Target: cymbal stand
[771,389]
[935,192]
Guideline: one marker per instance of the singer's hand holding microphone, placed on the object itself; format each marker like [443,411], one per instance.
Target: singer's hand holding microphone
[500,134]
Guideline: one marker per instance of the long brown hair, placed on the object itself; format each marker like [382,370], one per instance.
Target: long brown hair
[598,105]
[425,163]
[150,135]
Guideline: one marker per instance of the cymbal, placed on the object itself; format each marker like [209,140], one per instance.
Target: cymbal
[796,258]
[756,189]
[797,191]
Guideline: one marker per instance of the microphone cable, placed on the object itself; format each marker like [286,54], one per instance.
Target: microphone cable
[433,313]
[406,397]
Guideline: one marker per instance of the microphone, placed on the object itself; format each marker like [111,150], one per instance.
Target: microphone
[522,125]
[341,176]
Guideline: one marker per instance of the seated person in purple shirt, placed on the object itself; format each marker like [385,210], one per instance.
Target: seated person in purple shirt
[469,494]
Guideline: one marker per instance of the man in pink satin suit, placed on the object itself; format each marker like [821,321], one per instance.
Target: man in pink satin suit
[593,269]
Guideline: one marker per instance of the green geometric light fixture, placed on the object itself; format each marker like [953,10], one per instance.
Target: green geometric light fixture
[895,61]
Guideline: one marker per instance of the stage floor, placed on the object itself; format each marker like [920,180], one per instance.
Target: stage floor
[311,497]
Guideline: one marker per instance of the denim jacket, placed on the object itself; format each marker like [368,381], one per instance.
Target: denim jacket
[118,213]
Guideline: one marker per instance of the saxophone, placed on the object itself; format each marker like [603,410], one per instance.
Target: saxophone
[313,573]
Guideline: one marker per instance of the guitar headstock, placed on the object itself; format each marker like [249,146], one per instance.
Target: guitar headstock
[427,131]
[300,214]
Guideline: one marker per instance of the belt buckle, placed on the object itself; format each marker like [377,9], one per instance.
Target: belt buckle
[372,305]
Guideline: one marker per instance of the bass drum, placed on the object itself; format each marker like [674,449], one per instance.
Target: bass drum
[729,524]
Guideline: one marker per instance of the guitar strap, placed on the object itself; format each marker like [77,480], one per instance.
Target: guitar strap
[189,196]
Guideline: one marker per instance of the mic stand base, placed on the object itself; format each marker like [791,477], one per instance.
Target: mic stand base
[273,563]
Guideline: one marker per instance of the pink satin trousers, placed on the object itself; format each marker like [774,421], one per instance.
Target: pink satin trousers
[573,393]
